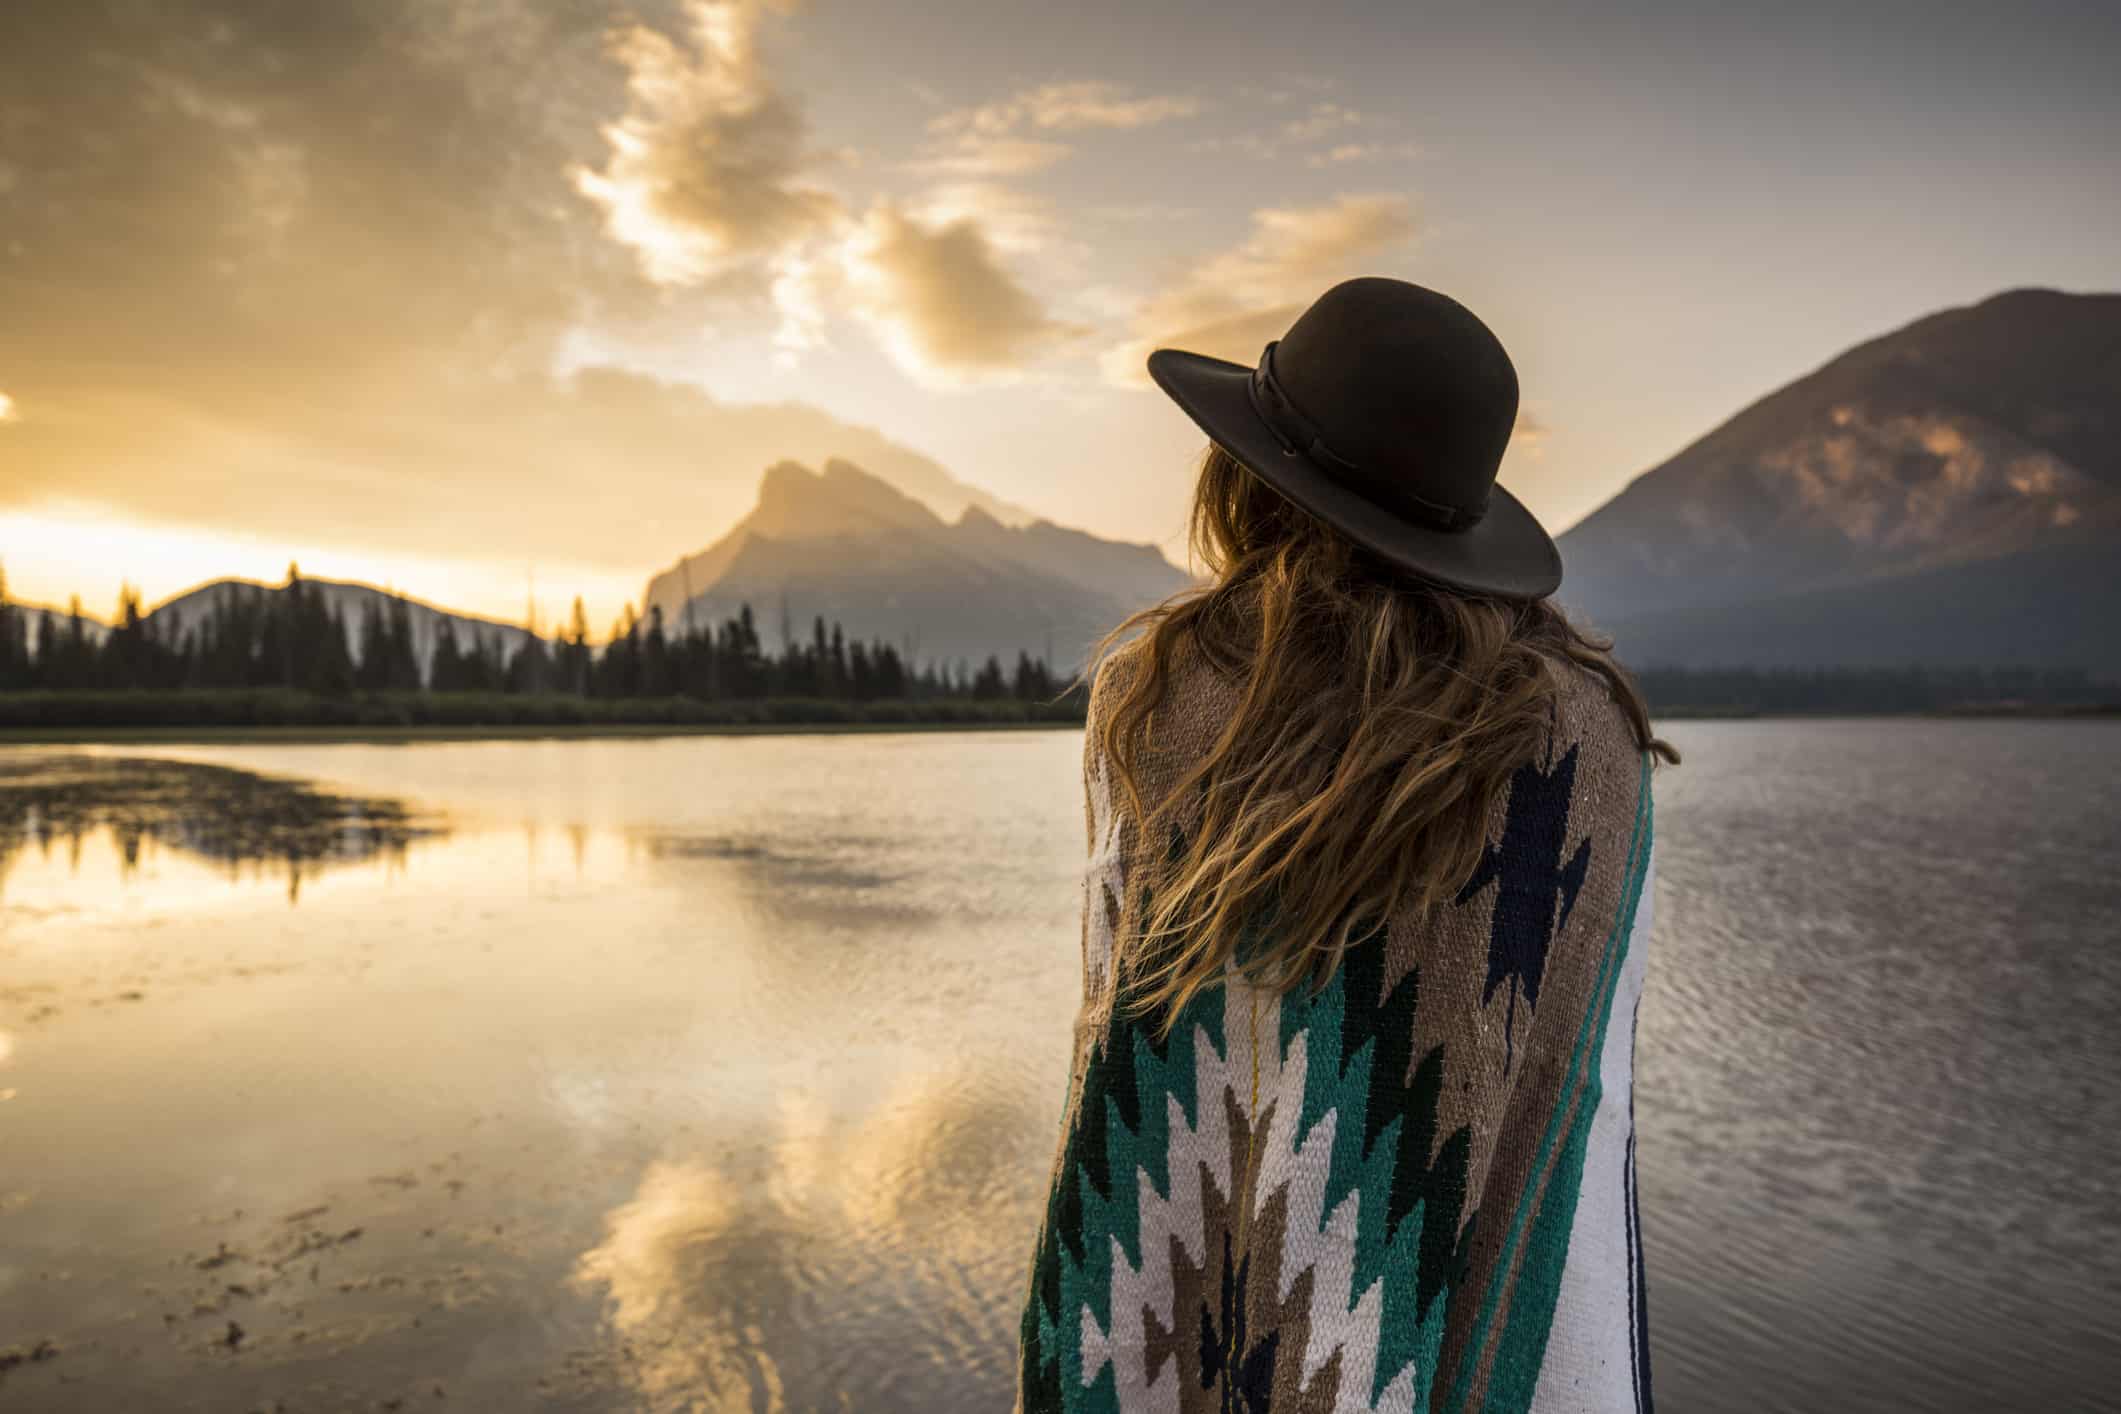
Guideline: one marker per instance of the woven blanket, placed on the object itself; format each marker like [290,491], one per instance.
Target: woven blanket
[1412,1190]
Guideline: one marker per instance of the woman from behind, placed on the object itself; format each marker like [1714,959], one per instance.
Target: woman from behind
[1349,1121]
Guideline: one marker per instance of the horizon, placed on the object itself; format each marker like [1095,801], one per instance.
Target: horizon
[552,311]
[545,616]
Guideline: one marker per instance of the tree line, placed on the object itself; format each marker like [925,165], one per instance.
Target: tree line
[293,637]
[287,654]
[1847,691]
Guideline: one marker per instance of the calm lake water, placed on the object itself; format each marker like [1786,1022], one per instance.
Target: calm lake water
[721,1073]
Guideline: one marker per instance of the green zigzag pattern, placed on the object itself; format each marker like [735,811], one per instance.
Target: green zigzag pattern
[1122,1128]
[1376,1155]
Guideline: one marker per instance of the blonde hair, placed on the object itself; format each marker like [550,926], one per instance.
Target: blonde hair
[1380,718]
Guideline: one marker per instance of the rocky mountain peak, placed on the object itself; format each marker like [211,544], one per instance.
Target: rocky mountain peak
[798,503]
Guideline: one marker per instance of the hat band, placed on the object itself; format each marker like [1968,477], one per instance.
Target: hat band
[1299,436]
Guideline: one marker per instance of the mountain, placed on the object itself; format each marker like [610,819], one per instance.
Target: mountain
[354,602]
[93,629]
[848,545]
[1949,493]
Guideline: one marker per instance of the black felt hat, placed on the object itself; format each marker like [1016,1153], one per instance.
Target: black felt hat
[1383,411]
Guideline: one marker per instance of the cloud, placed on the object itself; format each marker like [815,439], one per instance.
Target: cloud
[709,181]
[1227,304]
[940,301]
[1291,87]
[1066,107]
[1361,152]
[1321,121]
[705,1273]
[706,169]
[925,276]
[1250,144]
[989,140]
[980,155]
[223,192]
[1014,220]
[301,274]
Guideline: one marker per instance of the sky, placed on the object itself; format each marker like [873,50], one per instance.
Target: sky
[501,302]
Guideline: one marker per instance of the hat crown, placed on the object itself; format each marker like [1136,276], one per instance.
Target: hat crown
[1383,412]
[1412,396]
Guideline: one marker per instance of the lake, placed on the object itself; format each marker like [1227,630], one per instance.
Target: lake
[722,1073]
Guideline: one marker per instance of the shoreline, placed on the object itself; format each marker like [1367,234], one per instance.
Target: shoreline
[500,731]
[324,734]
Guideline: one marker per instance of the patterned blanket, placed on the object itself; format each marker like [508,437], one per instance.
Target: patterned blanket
[1414,1190]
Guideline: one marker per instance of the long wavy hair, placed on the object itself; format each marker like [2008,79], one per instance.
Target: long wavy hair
[1381,717]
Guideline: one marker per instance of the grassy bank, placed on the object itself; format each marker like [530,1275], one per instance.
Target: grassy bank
[1710,712]
[269,714]
[176,735]
[71,714]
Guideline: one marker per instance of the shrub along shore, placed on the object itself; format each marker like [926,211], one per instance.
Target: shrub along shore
[138,713]
[279,707]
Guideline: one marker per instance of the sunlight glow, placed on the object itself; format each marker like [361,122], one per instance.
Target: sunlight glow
[47,552]
[7,408]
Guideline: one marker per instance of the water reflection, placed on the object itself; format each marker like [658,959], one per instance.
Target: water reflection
[773,1278]
[723,1073]
[214,813]
[699,1108]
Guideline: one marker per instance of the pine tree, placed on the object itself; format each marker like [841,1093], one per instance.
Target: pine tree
[330,663]
[1032,681]
[622,658]
[445,670]
[489,662]
[42,647]
[125,651]
[14,643]
[403,659]
[655,657]
[372,671]
[745,672]
[529,667]
[575,677]
[891,673]
[859,678]
[295,629]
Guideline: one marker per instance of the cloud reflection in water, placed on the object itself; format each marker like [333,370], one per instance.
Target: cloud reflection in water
[846,1263]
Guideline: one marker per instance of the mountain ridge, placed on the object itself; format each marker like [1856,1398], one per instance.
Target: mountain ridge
[352,600]
[852,547]
[1984,432]
[1947,492]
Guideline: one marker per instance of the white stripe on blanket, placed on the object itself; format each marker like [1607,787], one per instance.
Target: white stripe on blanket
[1590,1354]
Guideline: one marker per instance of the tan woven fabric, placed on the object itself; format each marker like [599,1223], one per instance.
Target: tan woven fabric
[1413,1192]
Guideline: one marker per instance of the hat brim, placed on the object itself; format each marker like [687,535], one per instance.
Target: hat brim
[1506,552]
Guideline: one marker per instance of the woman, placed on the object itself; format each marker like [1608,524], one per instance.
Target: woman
[1349,1120]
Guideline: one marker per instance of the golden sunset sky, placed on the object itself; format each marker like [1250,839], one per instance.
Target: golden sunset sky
[456,295]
